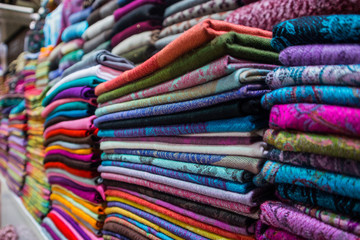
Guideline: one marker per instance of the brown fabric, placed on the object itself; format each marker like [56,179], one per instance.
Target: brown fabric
[91,140]
[81,165]
[122,230]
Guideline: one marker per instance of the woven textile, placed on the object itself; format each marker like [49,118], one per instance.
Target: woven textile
[265,232]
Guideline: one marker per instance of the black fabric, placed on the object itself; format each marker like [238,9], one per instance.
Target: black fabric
[91,166]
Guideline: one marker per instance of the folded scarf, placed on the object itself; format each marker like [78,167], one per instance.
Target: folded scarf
[315,197]
[213,71]
[68,132]
[265,14]
[91,140]
[330,95]
[346,75]
[276,213]
[316,161]
[111,166]
[71,46]
[98,27]
[92,44]
[237,45]
[140,54]
[72,106]
[83,93]
[227,110]
[50,227]
[135,41]
[74,31]
[163,42]
[330,145]
[207,8]
[124,231]
[93,157]
[205,199]
[105,10]
[316,118]
[101,57]
[179,6]
[69,145]
[274,172]
[317,29]
[238,162]
[265,232]
[86,173]
[195,37]
[320,54]
[238,79]
[81,15]
[83,124]
[66,228]
[81,165]
[121,12]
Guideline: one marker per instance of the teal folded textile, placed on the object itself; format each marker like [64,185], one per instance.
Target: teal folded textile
[81,82]
[274,172]
[71,113]
[72,106]
[241,124]
[71,58]
[18,108]
[331,95]
[74,31]
[110,166]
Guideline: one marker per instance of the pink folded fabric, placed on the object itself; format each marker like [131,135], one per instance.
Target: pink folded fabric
[316,118]
[49,108]
[83,124]
[120,12]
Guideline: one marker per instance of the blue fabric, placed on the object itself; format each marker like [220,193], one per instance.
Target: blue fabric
[80,16]
[54,74]
[194,178]
[18,108]
[240,124]
[52,26]
[74,31]
[118,236]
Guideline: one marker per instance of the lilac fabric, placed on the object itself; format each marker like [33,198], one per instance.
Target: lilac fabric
[75,92]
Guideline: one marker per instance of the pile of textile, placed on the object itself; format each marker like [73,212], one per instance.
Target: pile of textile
[182,137]
[314,131]
[71,148]
[29,71]
[43,67]
[17,141]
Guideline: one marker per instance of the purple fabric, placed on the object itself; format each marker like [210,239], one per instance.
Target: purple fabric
[82,157]
[120,12]
[75,92]
[50,231]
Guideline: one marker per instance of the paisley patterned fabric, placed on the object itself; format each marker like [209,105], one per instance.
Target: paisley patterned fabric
[290,219]
[316,29]
[329,145]
[331,95]
[316,118]
[274,172]
[342,75]
[265,232]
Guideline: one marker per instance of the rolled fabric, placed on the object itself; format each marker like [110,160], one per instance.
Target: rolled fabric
[93,43]
[316,118]
[265,14]
[137,28]
[70,59]
[80,16]
[348,75]
[330,95]
[266,232]
[207,8]
[135,41]
[194,37]
[74,31]
[237,45]
[316,161]
[101,57]
[121,12]
[334,146]
[320,54]
[318,29]
[72,46]
[98,27]
[181,5]
[274,213]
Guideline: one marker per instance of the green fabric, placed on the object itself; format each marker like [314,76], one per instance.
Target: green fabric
[73,56]
[81,82]
[72,106]
[7,102]
[237,45]
[139,55]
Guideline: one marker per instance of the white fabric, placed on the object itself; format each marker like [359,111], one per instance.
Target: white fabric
[98,27]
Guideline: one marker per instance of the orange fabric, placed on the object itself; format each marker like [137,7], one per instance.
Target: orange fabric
[67,132]
[189,40]
[77,172]
[81,151]
[170,213]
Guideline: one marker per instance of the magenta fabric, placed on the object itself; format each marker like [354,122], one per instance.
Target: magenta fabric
[82,123]
[75,92]
[49,108]
[82,157]
[290,219]
[135,29]
[265,232]
[316,118]
[93,197]
[120,12]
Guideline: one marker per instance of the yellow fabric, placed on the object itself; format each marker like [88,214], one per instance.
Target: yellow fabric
[98,209]
[135,217]
[169,219]
[75,151]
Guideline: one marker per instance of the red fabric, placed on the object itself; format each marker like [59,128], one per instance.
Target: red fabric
[61,226]
[77,172]
[67,132]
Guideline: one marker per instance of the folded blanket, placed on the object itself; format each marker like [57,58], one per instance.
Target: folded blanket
[197,36]
[274,172]
[320,54]
[348,75]
[252,165]
[74,31]
[330,95]
[316,118]
[98,27]
[330,145]
[266,232]
[316,197]
[243,46]
[318,29]
[316,161]
[265,14]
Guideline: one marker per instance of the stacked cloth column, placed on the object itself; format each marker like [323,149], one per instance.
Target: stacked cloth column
[314,137]
[17,147]
[182,137]
[43,67]
[71,149]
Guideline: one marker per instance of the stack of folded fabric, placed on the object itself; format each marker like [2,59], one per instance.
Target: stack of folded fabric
[36,189]
[29,71]
[71,148]
[43,67]
[182,137]
[17,141]
[314,136]
[101,21]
